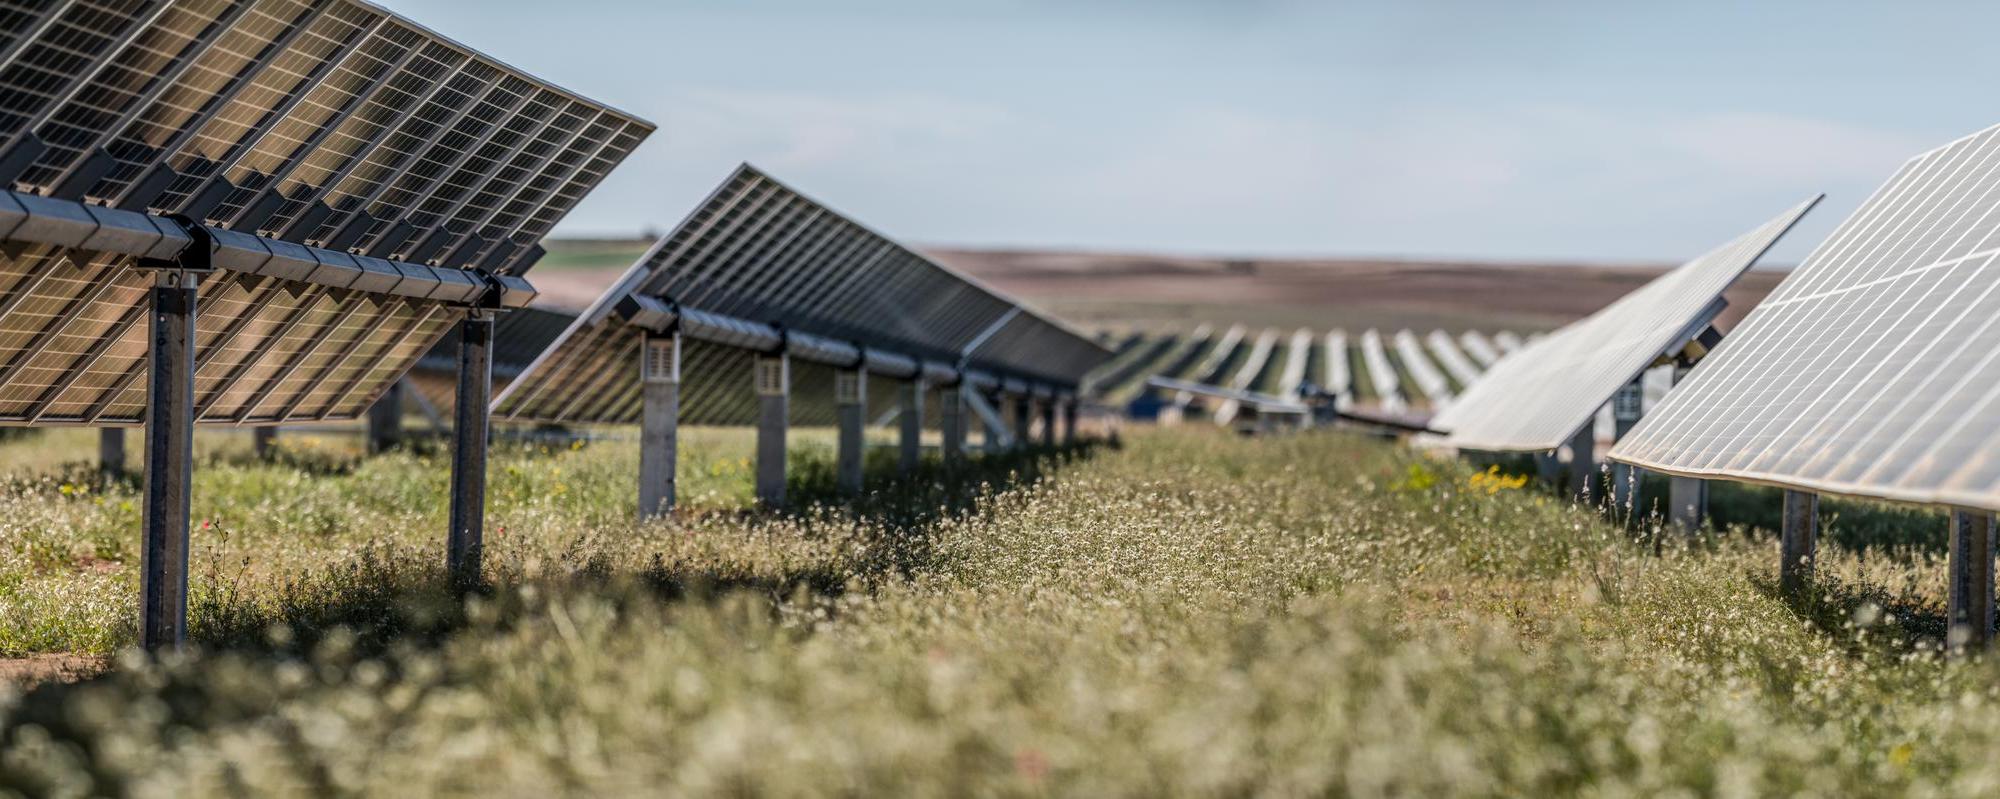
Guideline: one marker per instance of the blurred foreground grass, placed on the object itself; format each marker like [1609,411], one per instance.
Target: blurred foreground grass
[1194,614]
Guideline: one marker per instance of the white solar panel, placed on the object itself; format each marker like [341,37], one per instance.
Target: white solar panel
[1452,358]
[1339,376]
[1479,348]
[1209,369]
[1381,375]
[766,265]
[1536,398]
[1246,374]
[1297,360]
[1425,374]
[1874,369]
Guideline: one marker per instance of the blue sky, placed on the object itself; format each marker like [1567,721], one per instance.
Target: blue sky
[1586,130]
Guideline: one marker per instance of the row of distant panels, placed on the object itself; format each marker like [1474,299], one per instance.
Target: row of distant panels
[716,381]
[1221,357]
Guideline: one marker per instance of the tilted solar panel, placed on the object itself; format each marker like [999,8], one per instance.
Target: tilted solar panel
[1874,368]
[1382,377]
[1298,362]
[1479,348]
[1339,372]
[1453,358]
[1436,389]
[1535,398]
[350,166]
[760,266]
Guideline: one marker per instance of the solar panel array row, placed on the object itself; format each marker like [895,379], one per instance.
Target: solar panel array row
[769,267]
[1538,397]
[400,156]
[1871,369]
[1326,362]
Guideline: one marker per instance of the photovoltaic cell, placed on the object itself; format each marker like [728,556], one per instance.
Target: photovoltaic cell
[759,251]
[1537,397]
[1874,368]
[328,123]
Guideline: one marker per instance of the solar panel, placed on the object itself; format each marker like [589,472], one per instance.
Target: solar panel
[1461,368]
[1381,374]
[1538,397]
[1117,383]
[1263,404]
[349,165]
[760,266]
[1871,370]
[1246,373]
[1430,381]
[1210,368]
[1481,349]
[1339,370]
[1298,360]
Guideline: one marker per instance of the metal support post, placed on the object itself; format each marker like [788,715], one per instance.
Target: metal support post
[1687,497]
[774,385]
[1023,411]
[1548,468]
[1687,500]
[1971,568]
[850,400]
[1069,421]
[466,539]
[1583,482]
[1626,407]
[659,423]
[111,452]
[995,433]
[1049,422]
[262,439]
[951,421]
[169,462]
[910,450]
[385,420]
[1798,540]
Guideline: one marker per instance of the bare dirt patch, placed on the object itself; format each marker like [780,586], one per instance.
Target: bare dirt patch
[37,669]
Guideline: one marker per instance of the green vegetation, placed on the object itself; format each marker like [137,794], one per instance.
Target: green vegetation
[1193,614]
[1363,382]
[591,253]
[1273,369]
[1412,393]
[1451,380]
[1316,361]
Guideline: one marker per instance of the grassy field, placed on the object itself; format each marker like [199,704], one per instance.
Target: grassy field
[1190,614]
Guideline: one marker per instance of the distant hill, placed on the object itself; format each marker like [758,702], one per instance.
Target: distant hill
[1147,291]
[1117,290]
